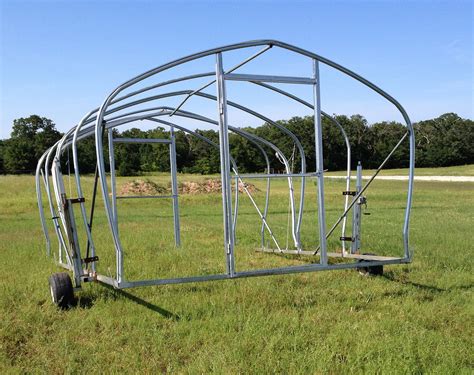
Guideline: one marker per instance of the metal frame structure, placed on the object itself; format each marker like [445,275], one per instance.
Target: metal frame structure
[121,108]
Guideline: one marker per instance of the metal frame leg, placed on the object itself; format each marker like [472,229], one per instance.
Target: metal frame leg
[319,163]
[356,214]
[113,186]
[174,188]
[225,167]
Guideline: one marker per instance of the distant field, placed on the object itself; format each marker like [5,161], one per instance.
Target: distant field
[460,170]
[417,318]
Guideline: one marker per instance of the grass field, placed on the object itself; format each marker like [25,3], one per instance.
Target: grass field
[459,170]
[417,318]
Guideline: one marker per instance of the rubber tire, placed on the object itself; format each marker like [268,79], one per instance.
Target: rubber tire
[370,271]
[62,291]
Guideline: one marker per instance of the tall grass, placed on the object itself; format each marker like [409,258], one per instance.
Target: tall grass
[416,318]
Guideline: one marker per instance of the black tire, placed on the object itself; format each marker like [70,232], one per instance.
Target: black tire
[370,271]
[62,291]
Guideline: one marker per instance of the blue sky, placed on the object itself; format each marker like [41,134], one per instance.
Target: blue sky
[60,59]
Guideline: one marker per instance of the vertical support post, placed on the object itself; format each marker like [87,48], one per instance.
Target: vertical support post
[411,176]
[356,216]
[174,188]
[348,188]
[39,173]
[99,135]
[113,190]
[236,207]
[58,184]
[318,134]
[113,187]
[225,167]
[74,250]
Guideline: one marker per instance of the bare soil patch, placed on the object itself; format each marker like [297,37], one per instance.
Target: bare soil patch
[148,187]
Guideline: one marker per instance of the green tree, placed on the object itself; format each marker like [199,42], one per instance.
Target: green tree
[86,155]
[3,144]
[444,141]
[183,150]
[156,157]
[204,156]
[384,136]
[30,138]
[245,154]
[127,155]
[360,138]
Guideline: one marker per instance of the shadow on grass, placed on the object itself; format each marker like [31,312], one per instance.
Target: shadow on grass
[86,302]
[165,313]
[431,288]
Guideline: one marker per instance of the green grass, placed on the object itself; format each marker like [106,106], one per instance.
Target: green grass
[459,170]
[417,318]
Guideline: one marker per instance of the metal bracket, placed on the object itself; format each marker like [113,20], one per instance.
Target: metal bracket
[90,259]
[88,279]
[346,239]
[77,200]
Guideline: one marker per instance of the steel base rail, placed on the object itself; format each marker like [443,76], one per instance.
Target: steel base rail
[314,267]
[330,254]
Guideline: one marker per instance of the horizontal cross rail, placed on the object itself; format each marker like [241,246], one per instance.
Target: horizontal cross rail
[276,175]
[142,140]
[330,254]
[144,196]
[268,78]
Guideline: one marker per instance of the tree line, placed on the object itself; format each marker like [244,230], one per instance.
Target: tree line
[443,141]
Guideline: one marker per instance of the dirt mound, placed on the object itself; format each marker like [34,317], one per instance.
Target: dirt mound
[147,187]
[142,187]
[210,186]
